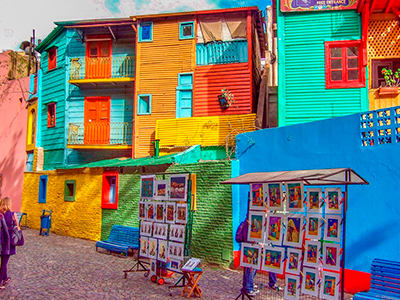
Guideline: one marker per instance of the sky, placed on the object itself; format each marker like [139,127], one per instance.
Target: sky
[19,17]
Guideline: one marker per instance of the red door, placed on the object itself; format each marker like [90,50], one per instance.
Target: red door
[98,59]
[97,121]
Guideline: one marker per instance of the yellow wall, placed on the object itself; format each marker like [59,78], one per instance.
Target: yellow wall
[158,64]
[82,218]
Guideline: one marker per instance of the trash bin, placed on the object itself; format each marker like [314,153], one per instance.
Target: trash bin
[45,222]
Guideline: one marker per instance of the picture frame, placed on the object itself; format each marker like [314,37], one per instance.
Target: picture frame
[146,228]
[257,197]
[162,250]
[329,286]
[333,200]
[150,212]
[178,187]
[147,186]
[170,212]
[333,228]
[314,200]
[312,254]
[250,255]
[273,259]
[294,234]
[313,227]
[255,231]
[159,212]
[181,213]
[177,233]
[274,192]
[310,282]
[144,246]
[274,229]
[294,196]
[292,287]
[153,244]
[160,230]
[175,265]
[142,210]
[176,250]
[294,258]
[161,190]
[191,264]
[331,256]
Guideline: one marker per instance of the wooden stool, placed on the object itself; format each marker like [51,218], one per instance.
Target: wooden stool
[192,287]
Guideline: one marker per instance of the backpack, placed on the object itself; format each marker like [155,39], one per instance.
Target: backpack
[241,232]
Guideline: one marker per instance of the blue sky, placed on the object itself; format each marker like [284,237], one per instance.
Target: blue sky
[18,18]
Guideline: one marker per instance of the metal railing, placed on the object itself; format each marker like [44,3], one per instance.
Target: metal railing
[102,67]
[100,133]
[221,53]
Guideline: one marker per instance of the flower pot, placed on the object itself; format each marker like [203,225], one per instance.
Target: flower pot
[223,102]
[388,90]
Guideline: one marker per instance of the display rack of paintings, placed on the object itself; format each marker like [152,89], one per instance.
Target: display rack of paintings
[256,226]
[314,200]
[274,229]
[294,196]
[312,253]
[333,199]
[329,286]
[292,287]
[273,259]
[161,190]
[309,285]
[274,193]
[313,227]
[257,197]
[147,186]
[293,260]
[170,212]
[178,187]
[332,228]
[331,256]
[250,255]
[294,230]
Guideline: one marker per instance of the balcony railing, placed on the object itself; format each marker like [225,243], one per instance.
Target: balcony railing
[100,133]
[221,53]
[103,67]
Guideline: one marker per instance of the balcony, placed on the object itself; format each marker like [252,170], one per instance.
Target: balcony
[221,53]
[113,135]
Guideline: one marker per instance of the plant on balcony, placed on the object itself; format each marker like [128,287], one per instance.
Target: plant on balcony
[226,99]
[392,81]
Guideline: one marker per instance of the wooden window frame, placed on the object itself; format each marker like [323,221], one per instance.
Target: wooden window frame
[52,58]
[183,24]
[67,196]
[51,110]
[148,112]
[105,201]
[98,39]
[141,26]
[375,64]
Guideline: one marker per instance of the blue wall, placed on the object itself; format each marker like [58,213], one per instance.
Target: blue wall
[373,210]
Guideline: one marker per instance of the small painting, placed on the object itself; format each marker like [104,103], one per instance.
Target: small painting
[292,287]
[312,254]
[175,265]
[295,197]
[142,210]
[333,199]
[314,200]
[181,213]
[272,259]
[274,229]
[250,255]
[177,233]
[256,226]
[147,186]
[170,212]
[153,248]
[160,206]
[293,261]
[150,213]
[331,256]
[332,228]
[313,227]
[162,250]
[274,196]
[309,286]
[294,232]
[161,190]
[257,197]
[330,286]
[178,187]
[176,250]
[144,249]
[146,228]
[160,230]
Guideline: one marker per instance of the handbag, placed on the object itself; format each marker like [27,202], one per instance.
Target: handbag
[16,236]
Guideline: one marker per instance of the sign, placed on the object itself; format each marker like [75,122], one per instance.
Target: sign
[316,5]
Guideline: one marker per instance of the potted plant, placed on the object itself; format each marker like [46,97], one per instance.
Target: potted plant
[392,81]
[226,98]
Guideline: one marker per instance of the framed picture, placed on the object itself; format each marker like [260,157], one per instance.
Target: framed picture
[256,226]
[274,229]
[333,199]
[160,230]
[294,196]
[175,265]
[250,255]
[330,286]
[146,228]
[257,197]
[150,214]
[170,212]
[160,206]
[177,233]
[293,261]
[191,264]
[153,248]
[312,254]
[142,210]
[178,187]
[331,256]
[162,250]
[314,200]
[144,249]
[294,230]
[309,286]
[176,250]
[292,287]
[161,190]
[147,186]
[273,259]
[332,228]
[181,213]
[274,193]
[313,227]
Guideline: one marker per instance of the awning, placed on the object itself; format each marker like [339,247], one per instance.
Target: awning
[308,177]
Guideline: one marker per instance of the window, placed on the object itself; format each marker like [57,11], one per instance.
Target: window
[186,30]
[110,190]
[52,58]
[51,115]
[42,188]
[343,64]
[31,127]
[146,32]
[377,79]
[144,104]
[69,190]
[29,161]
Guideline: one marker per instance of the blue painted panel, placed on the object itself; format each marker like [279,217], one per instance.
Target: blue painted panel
[184,105]
[42,189]
[221,53]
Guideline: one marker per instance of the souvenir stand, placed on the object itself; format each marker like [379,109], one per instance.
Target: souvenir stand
[165,222]
[297,229]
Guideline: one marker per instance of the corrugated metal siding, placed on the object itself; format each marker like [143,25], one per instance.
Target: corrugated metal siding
[159,63]
[209,80]
[303,78]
